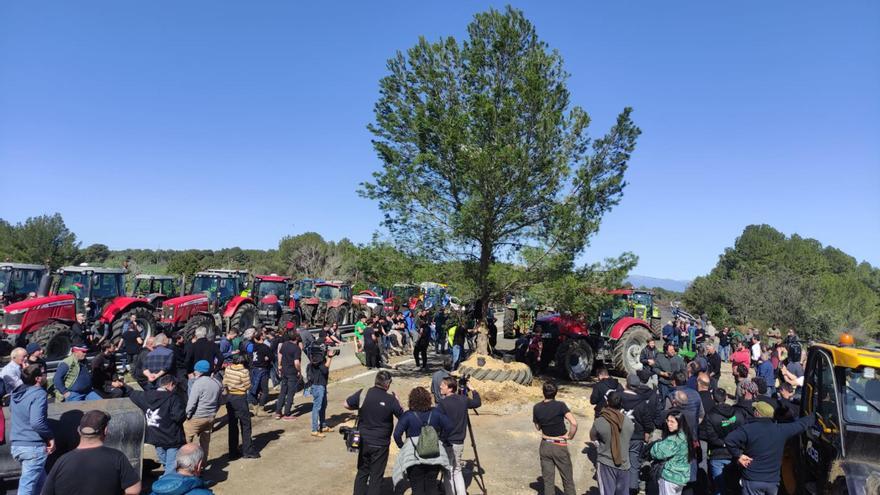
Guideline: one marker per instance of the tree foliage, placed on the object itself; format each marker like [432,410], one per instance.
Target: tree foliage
[42,239]
[95,253]
[483,153]
[768,278]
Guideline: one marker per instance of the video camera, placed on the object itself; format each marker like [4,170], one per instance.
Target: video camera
[463,388]
[352,438]
[318,353]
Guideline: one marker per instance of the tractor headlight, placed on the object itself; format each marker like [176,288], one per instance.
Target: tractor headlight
[12,319]
[167,311]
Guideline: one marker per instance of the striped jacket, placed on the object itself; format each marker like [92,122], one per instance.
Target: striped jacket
[237,379]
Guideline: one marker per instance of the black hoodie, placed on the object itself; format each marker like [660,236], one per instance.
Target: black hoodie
[721,420]
[641,407]
[600,392]
[164,412]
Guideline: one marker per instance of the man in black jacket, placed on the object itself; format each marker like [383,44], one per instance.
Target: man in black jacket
[377,409]
[164,412]
[639,402]
[455,406]
[722,419]
[602,388]
[203,349]
[713,360]
[758,448]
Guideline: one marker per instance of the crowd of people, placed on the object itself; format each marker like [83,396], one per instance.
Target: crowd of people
[182,385]
[672,415]
[672,429]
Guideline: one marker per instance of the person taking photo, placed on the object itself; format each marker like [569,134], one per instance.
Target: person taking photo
[455,406]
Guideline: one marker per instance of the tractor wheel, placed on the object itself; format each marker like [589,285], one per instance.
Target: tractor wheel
[625,355]
[510,324]
[55,340]
[343,316]
[333,315]
[656,327]
[245,317]
[199,321]
[146,321]
[575,359]
[308,314]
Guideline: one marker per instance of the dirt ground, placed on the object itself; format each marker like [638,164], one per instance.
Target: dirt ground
[506,440]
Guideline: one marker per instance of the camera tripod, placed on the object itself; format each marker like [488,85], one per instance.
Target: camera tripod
[478,471]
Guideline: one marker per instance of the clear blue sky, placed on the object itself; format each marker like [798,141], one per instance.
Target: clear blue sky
[204,124]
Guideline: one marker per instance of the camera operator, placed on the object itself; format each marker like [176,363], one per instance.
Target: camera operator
[455,406]
[376,412]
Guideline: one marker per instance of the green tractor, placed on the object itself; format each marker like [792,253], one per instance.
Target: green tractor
[520,314]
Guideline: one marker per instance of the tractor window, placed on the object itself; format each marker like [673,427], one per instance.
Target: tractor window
[106,286]
[825,395]
[168,288]
[227,288]
[207,285]
[861,396]
[75,283]
[644,299]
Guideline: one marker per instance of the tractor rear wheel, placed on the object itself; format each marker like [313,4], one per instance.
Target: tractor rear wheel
[575,359]
[656,327]
[200,321]
[245,317]
[308,314]
[509,323]
[625,356]
[344,316]
[55,339]
[145,319]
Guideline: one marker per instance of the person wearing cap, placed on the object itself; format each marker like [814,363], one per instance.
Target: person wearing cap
[31,439]
[93,468]
[758,445]
[202,405]
[164,412]
[35,356]
[748,392]
[11,373]
[73,379]
[185,480]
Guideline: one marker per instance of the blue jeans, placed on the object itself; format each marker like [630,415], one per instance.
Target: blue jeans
[76,396]
[259,384]
[716,471]
[168,458]
[319,407]
[724,352]
[456,355]
[33,462]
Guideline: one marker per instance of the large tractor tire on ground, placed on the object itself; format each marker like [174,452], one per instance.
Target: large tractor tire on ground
[336,315]
[146,322]
[55,339]
[627,349]
[200,321]
[574,359]
[656,326]
[245,317]
[510,323]
[518,374]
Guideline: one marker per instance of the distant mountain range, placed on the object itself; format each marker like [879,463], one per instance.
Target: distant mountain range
[651,282]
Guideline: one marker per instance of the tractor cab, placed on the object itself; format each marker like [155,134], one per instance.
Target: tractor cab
[243,277]
[405,296]
[272,295]
[155,288]
[219,286]
[92,287]
[633,303]
[305,288]
[18,280]
[329,291]
[841,454]
[434,295]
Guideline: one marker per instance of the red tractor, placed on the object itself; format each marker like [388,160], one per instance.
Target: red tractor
[274,299]
[214,302]
[335,304]
[17,280]
[616,337]
[98,293]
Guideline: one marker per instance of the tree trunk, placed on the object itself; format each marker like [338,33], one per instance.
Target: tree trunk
[485,259]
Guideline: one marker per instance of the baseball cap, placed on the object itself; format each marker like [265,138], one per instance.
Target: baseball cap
[93,423]
[764,408]
[289,325]
[32,348]
[79,348]
[202,366]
